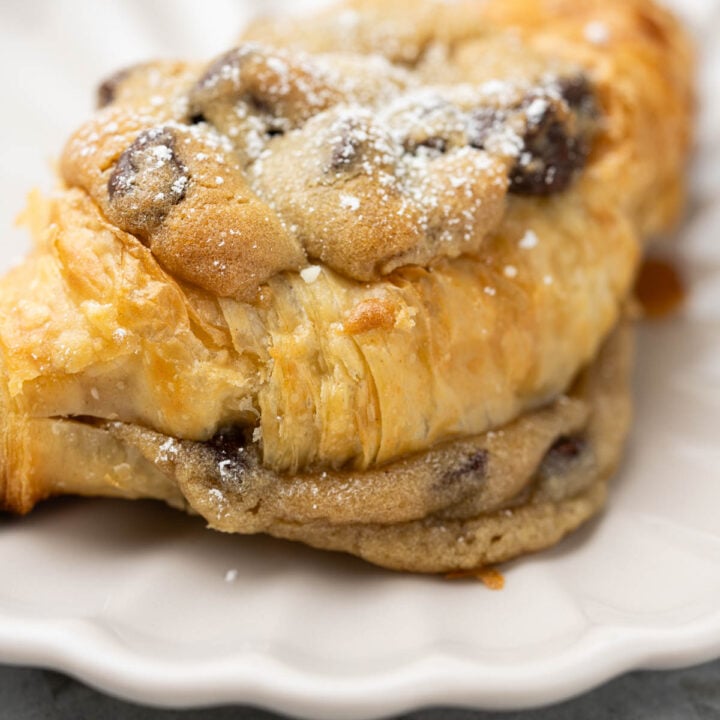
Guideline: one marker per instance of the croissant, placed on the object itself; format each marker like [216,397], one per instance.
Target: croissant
[363,281]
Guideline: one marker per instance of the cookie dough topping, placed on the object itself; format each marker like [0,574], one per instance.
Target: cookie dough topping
[269,160]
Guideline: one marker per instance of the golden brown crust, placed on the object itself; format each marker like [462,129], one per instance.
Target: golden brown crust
[371,314]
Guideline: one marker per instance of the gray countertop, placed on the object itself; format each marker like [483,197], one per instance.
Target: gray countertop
[691,694]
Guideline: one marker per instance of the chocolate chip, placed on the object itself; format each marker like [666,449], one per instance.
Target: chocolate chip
[107,90]
[230,455]
[229,79]
[568,462]
[577,93]
[229,442]
[475,464]
[262,80]
[483,122]
[148,180]
[552,152]
[568,447]
[551,129]
[564,454]
[223,71]
[436,143]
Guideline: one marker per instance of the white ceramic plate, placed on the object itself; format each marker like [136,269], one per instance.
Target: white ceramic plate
[136,599]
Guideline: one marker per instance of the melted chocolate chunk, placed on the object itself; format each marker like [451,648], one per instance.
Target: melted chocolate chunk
[565,452]
[552,126]
[107,90]
[475,464]
[231,458]
[483,122]
[247,74]
[148,180]
[577,93]
[552,153]
[434,142]
[230,442]
[568,448]
[231,78]
[222,72]
[436,128]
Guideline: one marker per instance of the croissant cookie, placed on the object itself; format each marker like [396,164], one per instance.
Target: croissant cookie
[361,281]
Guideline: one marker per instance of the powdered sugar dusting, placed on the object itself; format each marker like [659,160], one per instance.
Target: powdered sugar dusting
[529,240]
[349,202]
[310,274]
[218,502]
[168,451]
[597,33]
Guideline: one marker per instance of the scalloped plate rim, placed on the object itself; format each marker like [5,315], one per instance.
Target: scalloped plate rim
[601,653]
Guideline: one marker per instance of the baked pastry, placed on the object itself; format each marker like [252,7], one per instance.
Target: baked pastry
[361,282]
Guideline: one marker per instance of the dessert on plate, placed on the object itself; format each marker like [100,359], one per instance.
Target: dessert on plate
[362,281]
